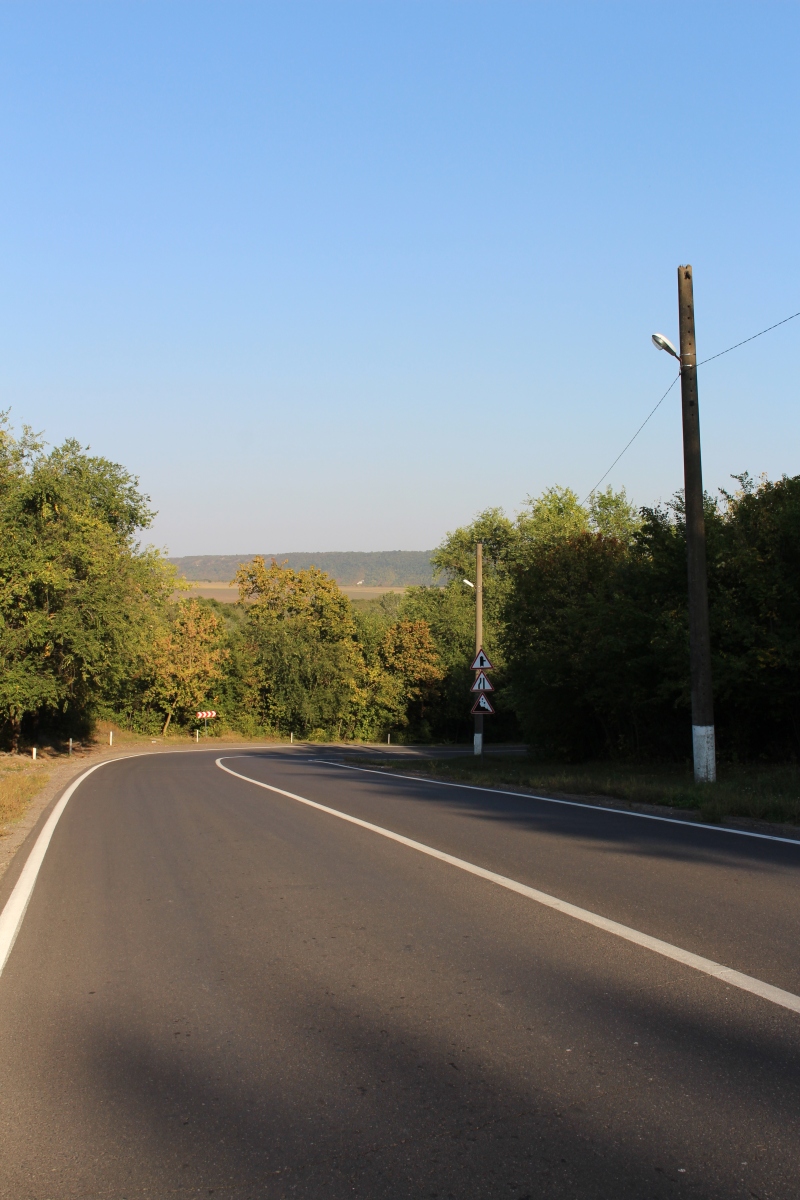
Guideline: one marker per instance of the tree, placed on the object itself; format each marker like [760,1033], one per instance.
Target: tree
[78,597]
[305,661]
[187,660]
[410,656]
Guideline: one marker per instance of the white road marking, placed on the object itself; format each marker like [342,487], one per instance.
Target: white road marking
[706,965]
[16,906]
[17,903]
[615,812]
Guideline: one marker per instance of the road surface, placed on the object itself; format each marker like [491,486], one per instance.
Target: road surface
[219,990]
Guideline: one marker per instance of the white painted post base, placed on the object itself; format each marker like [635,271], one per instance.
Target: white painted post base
[477,743]
[705,754]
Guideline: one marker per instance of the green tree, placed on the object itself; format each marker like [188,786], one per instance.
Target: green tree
[79,599]
[305,661]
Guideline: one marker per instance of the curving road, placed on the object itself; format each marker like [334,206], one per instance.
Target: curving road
[220,989]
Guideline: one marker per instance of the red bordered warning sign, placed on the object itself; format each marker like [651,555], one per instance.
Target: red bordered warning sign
[482,705]
[482,683]
[481,662]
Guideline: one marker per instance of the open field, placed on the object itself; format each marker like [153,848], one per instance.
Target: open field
[227,593]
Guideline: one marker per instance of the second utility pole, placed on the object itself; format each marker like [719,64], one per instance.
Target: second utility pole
[703,747]
[478,737]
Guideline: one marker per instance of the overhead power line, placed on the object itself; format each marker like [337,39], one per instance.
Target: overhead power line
[750,339]
[633,439]
[736,346]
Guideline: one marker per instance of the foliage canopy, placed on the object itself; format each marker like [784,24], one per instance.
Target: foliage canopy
[584,619]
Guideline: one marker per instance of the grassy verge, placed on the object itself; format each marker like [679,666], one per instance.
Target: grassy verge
[767,793]
[19,783]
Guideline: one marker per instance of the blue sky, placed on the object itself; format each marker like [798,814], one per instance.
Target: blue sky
[338,275]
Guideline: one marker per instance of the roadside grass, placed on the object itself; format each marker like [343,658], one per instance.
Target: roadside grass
[765,793]
[20,781]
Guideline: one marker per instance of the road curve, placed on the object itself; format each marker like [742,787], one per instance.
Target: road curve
[218,990]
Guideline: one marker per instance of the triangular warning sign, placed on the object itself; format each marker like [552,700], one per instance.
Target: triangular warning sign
[482,705]
[481,662]
[482,684]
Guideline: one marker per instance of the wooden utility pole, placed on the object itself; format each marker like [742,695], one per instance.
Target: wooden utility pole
[703,747]
[478,737]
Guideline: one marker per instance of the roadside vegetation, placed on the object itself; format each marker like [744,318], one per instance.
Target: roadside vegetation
[584,617]
[20,781]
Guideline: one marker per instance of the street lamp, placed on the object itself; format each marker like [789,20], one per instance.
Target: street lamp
[663,343]
[703,739]
[467,582]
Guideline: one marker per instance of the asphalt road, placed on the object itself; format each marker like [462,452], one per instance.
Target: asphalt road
[220,991]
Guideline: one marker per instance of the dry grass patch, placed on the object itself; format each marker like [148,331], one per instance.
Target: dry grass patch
[19,783]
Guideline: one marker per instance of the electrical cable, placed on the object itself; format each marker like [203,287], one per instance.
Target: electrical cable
[672,385]
[633,439]
[750,339]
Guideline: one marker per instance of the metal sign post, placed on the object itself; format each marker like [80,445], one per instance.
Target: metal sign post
[482,707]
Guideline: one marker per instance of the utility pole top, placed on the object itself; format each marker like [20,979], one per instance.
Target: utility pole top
[686,317]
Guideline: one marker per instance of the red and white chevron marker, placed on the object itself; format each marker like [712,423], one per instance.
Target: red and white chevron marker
[205,717]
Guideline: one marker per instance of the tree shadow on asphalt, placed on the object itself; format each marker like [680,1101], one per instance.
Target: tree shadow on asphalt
[398,1118]
[620,830]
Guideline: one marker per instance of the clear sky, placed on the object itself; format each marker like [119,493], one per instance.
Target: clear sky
[338,275]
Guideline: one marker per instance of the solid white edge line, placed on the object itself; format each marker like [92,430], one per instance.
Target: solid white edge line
[15,907]
[746,983]
[614,812]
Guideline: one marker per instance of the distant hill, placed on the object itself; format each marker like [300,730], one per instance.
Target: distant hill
[379,568]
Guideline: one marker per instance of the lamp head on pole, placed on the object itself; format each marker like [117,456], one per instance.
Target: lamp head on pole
[663,343]
[467,582]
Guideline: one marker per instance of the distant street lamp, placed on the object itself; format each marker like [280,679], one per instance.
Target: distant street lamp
[703,739]
[467,582]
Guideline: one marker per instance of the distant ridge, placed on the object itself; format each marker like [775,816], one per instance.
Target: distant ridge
[379,568]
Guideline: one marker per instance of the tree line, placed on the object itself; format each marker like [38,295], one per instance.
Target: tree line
[585,617]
